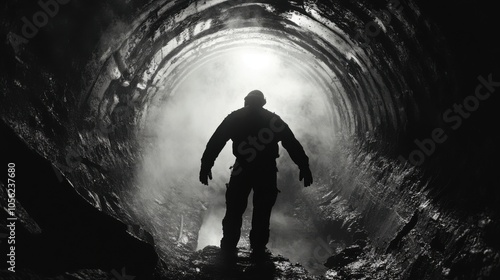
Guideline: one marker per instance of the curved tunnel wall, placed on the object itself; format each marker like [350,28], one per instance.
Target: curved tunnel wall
[137,62]
[355,76]
[367,78]
[367,91]
[371,57]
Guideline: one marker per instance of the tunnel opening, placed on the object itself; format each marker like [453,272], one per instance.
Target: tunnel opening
[359,84]
[300,73]
[186,122]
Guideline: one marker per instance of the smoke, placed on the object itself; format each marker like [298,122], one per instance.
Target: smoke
[199,104]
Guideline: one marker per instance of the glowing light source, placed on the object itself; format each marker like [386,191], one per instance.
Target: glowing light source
[256,59]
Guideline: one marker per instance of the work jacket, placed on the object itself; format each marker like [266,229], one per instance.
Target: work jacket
[255,133]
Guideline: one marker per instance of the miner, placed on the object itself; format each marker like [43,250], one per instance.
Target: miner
[255,133]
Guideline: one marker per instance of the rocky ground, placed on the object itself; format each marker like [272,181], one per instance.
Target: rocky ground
[61,236]
[348,264]
[207,264]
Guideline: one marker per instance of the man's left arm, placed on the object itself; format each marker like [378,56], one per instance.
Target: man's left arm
[297,153]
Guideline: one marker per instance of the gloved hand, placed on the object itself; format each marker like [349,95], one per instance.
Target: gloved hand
[305,173]
[205,174]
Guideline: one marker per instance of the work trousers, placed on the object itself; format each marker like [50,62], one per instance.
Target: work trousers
[263,183]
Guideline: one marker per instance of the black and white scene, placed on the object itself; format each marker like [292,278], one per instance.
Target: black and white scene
[253,140]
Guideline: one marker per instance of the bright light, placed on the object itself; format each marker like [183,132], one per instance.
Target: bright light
[256,59]
[197,106]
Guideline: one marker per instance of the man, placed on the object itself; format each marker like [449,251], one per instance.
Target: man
[255,133]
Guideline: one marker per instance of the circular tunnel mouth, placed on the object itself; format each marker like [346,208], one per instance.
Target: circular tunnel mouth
[255,45]
[322,50]
[335,92]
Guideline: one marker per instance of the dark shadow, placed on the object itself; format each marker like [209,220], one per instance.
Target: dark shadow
[57,230]
[215,265]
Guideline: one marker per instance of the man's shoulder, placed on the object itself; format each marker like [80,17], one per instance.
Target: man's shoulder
[269,112]
[245,111]
[271,115]
[236,113]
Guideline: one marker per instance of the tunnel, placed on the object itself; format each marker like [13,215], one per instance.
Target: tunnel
[107,106]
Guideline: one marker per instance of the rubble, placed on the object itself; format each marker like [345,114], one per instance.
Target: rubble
[345,257]
[207,264]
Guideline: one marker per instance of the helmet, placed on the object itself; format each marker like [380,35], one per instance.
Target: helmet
[255,98]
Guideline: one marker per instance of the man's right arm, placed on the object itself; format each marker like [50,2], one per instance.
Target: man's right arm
[213,148]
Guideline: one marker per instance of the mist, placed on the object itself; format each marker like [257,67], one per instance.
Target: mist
[177,138]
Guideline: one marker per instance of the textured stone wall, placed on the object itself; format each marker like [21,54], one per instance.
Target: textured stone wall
[82,90]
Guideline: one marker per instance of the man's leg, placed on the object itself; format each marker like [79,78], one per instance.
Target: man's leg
[264,197]
[236,202]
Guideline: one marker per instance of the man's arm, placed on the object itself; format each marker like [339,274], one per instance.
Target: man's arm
[297,153]
[214,147]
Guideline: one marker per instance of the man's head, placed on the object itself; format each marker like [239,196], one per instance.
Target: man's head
[255,98]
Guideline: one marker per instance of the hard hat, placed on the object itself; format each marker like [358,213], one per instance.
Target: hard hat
[255,97]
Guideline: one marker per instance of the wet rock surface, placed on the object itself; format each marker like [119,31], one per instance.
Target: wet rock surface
[59,231]
[354,262]
[208,264]
[345,257]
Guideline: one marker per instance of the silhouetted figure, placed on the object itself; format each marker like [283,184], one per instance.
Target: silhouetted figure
[255,133]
